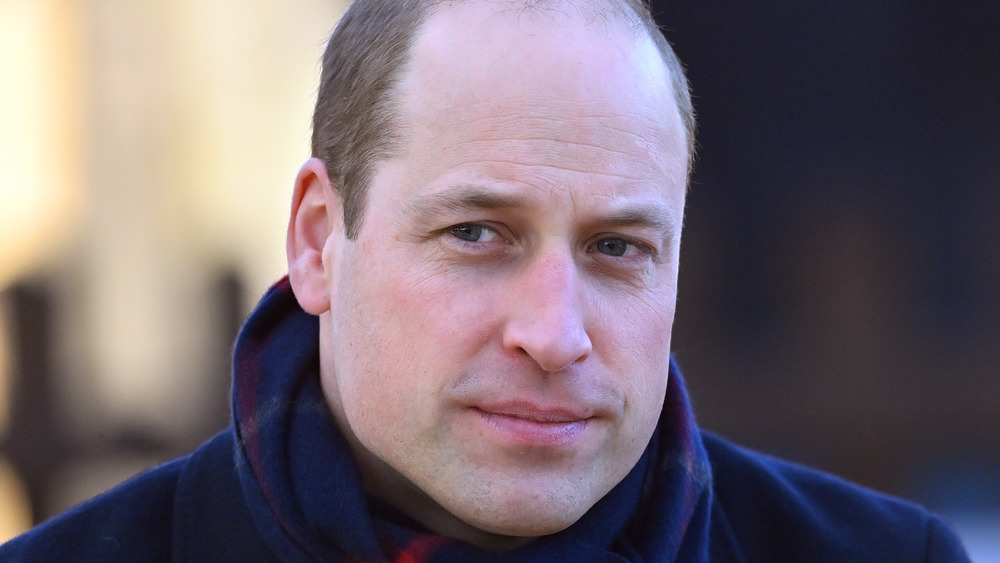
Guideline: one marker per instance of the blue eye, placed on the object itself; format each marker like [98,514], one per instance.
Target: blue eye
[612,247]
[471,232]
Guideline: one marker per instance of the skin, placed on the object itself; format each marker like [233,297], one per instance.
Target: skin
[495,341]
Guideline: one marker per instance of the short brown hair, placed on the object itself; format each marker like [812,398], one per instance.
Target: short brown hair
[353,123]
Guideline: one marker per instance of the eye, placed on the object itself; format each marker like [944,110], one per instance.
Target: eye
[612,247]
[622,248]
[471,232]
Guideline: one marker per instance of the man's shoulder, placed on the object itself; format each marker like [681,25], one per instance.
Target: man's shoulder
[140,519]
[774,508]
[131,520]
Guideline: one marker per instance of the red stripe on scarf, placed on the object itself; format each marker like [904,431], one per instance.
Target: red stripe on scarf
[420,549]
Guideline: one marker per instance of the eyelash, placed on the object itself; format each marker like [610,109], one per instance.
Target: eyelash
[640,246]
[453,230]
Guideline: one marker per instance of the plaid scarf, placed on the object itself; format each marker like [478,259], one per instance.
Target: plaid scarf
[304,491]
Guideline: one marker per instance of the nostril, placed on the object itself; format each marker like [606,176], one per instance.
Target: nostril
[553,348]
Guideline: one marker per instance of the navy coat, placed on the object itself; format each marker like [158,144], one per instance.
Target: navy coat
[763,509]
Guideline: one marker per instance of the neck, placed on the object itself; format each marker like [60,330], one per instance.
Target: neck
[385,483]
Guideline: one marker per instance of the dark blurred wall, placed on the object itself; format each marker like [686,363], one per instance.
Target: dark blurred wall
[840,277]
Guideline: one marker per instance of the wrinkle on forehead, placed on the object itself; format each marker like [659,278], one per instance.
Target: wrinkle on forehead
[627,134]
[606,147]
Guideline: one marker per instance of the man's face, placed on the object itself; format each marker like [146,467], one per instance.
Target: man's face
[499,330]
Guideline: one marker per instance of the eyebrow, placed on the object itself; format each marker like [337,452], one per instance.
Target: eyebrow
[470,197]
[463,198]
[641,216]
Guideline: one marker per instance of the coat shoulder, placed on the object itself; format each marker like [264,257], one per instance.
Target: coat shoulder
[778,510]
[170,512]
[131,522]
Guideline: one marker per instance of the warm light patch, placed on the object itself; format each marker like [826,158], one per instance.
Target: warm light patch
[15,511]
[6,373]
[39,173]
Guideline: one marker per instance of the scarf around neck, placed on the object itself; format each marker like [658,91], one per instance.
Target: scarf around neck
[302,486]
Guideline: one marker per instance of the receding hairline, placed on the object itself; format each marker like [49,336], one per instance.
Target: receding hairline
[620,11]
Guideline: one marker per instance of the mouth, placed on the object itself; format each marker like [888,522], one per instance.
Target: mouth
[524,425]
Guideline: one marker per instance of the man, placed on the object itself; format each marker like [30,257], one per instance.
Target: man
[469,359]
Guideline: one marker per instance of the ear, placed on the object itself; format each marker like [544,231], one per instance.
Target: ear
[317,220]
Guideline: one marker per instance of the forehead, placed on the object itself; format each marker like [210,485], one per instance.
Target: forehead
[572,82]
[502,48]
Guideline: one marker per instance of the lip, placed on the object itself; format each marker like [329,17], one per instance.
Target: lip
[527,425]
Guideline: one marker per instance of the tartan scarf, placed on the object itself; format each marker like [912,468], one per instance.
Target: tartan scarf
[304,491]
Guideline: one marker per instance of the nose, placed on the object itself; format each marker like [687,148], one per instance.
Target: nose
[547,315]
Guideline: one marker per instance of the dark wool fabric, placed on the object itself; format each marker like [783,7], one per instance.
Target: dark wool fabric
[280,485]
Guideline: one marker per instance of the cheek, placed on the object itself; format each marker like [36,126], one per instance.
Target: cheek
[404,334]
[425,317]
[636,347]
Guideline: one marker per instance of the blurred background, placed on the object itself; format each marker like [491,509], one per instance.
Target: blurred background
[840,280]
[147,154]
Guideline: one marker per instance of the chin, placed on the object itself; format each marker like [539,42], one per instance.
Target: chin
[529,514]
[530,525]
[525,527]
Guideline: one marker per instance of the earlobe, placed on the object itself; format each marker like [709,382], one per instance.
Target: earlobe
[316,214]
